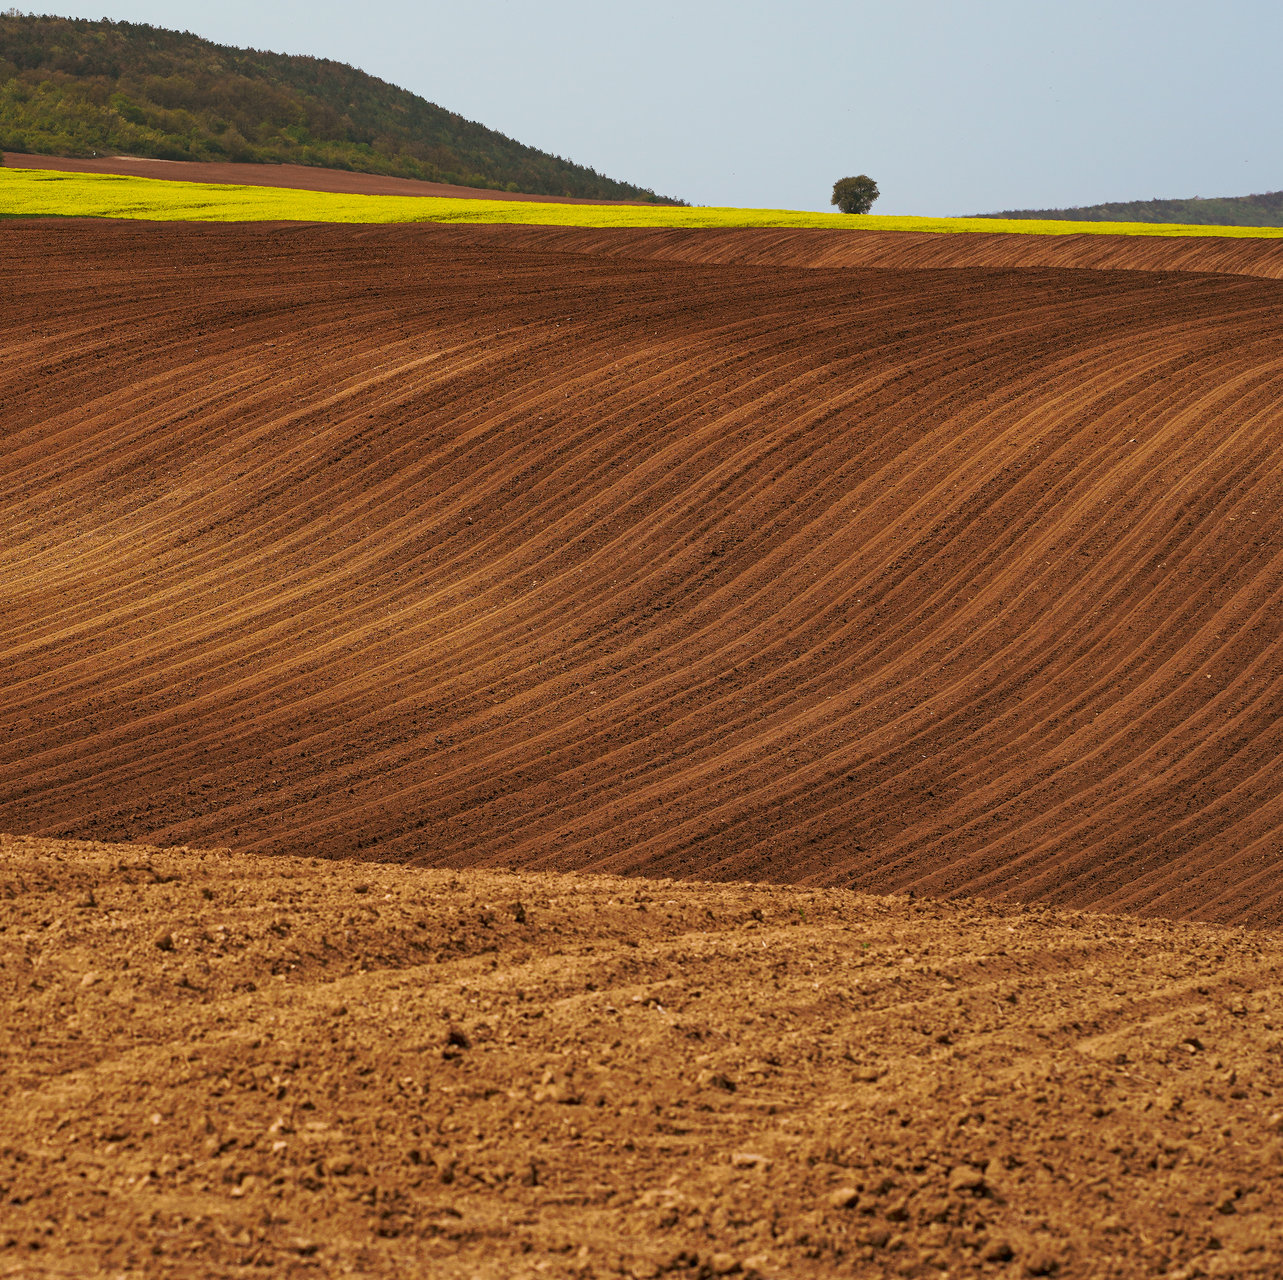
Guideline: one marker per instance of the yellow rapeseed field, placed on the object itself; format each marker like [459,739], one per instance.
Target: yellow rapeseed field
[46,193]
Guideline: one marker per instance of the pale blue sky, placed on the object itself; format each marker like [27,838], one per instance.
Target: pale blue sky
[952,107]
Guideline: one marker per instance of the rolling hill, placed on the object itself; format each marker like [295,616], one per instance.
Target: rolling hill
[480,546]
[1264,210]
[76,88]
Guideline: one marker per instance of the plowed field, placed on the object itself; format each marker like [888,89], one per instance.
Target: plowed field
[444,548]
[220,1065]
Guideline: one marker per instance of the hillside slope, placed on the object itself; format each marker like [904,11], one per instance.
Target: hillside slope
[1263,210]
[218,1065]
[74,87]
[399,543]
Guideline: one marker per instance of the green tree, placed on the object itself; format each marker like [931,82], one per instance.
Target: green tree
[855,195]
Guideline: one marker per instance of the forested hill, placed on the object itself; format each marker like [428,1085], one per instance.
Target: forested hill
[1227,211]
[73,87]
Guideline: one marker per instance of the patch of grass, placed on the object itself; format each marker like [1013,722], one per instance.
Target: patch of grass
[43,193]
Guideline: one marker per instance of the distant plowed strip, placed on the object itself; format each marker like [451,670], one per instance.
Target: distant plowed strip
[813,247]
[494,546]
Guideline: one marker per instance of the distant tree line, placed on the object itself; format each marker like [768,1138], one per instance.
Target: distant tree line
[74,88]
[1265,210]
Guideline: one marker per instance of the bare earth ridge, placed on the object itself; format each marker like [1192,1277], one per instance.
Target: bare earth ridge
[219,1064]
[431,546]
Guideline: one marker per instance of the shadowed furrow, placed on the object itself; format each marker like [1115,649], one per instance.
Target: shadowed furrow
[437,545]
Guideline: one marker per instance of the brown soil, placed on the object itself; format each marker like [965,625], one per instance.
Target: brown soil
[899,249]
[298,176]
[400,544]
[222,1065]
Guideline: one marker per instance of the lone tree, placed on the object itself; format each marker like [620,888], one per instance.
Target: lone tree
[855,195]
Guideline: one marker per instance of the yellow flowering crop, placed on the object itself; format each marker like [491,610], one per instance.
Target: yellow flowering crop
[44,193]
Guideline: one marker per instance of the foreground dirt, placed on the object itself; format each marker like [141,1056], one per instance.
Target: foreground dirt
[416,547]
[299,177]
[220,1064]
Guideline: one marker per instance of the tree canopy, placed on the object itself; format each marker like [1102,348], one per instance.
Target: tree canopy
[855,195]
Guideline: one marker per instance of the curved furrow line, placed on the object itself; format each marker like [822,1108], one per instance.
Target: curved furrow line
[1102,802]
[1154,867]
[1249,892]
[912,842]
[1110,824]
[1054,535]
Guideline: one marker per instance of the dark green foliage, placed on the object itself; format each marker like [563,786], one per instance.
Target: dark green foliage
[1226,211]
[855,195]
[75,88]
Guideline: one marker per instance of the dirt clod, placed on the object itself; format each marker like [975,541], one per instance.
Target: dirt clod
[844,1198]
[1042,1263]
[997,1249]
[966,1179]
[715,1080]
